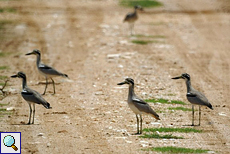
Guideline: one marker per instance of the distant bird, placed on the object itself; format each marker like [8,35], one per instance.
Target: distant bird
[46,70]
[137,105]
[132,17]
[194,97]
[31,96]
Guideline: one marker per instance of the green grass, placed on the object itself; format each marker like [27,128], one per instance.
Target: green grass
[4,22]
[4,104]
[158,136]
[10,10]
[180,108]
[171,149]
[3,67]
[165,101]
[143,3]
[179,130]
[143,42]
[2,77]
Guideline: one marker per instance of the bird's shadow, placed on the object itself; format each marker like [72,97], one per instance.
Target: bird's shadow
[191,125]
[23,124]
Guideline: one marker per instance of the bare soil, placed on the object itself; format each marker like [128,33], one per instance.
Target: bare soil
[88,41]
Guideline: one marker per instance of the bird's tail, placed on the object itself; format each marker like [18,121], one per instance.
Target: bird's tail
[210,106]
[65,75]
[155,115]
[47,105]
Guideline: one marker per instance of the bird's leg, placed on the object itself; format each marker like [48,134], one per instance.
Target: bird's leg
[53,85]
[199,114]
[141,124]
[46,86]
[192,115]
[137,124]
[30,113]
[33,113]
[132,25]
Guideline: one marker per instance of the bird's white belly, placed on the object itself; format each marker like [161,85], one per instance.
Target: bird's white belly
[134,109]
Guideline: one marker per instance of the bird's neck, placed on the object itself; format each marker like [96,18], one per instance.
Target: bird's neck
[38,59]
[131,91]
[189,86]
[24,83]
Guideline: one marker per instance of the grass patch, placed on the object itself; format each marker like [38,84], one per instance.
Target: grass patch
[4,22]
[4,104]
[143,42]
[9,9]
[158,136]
[165,101]
[180,130]
[143,3]
[2,77]
[180,108]
[3,68]
[171,149]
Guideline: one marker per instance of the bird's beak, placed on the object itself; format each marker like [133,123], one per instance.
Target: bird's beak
[14,76]
[122,83]
[30,53]
[179,77]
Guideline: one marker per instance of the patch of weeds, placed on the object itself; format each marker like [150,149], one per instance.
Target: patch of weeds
[143,42]
[179,130]
[143,3]
[4,104]
[9,9]
[4,22]
[3,68]
[158,136]
[180,108]
[165,101]
[2,77]
[170,149]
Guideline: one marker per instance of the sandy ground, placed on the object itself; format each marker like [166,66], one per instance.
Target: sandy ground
[88,41]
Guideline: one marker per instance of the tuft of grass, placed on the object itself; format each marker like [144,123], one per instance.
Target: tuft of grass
[171,149]
[2,77]
[165,101]
[180,108]
[180,130]
[4,104]
[4,22]
[143,42]
[143,3]
[158,136]
[9,9]
[3,67]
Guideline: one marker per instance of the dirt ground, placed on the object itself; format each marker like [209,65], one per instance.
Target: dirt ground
[87,40]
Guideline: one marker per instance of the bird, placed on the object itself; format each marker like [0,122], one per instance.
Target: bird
[194,97]
[46,70]
[31,96]
[137,105]
[132,17]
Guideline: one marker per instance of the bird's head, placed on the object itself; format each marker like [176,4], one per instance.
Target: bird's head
[128,81]
[184,76]
[19,75]
[138,7]
[34,52]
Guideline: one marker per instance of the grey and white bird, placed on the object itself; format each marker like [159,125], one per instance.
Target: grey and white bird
[137,105]
[132,17]
[194,97]
[46,70]
[31,96]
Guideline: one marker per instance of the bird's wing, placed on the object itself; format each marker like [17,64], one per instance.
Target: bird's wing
[144,107]
[48,70]
[198,98]
[35,97]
